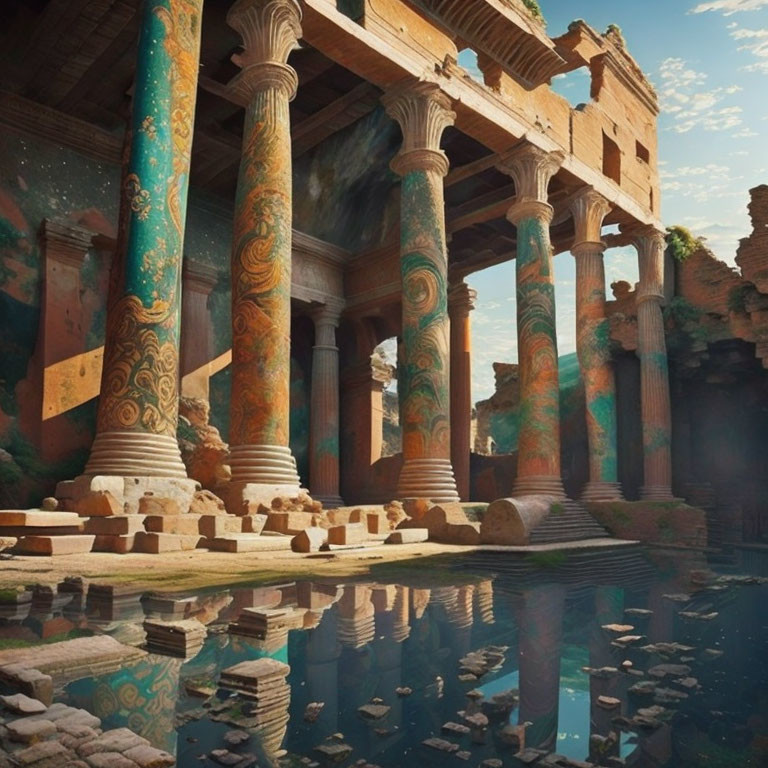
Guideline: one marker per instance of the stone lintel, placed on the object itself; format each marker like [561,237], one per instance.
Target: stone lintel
[65,242]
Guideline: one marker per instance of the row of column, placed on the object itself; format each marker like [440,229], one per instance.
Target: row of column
[139,397]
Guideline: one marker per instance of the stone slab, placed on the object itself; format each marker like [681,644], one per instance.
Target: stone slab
[183,525]
[55,545]
[213,526]
[408,536]
[289,523]
[249,542]
[350,533]
[119,545]
[37,518]
[116,525]
[156,543]
[309,540]
[22,705]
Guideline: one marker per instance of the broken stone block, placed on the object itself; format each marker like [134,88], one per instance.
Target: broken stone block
[213,526]
[149,504]
[441,745]
[98,504]
[44,753]
[254,523]
[120,545]
[55,545]
[408,536]
[334,752]
[351,533]
[183,525]
[457,728]
[416,508]
[156,543]
[608,702]
[22,705]
[30,730]
[309,540]
[511,521]
[289,523]
[146,756]
[115,525]
[373,711]
[206,503]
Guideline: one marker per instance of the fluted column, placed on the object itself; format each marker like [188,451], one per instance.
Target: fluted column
[423,112]
[261,255]
[593,346]
[654,373]
[460,302]
[538,449]
[139,402]
[324,409]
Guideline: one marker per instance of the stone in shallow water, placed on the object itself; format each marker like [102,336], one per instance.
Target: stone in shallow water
[608,702]
[455,728]
[620,628]
[335,752]
[374,711]
[441,745]
[664,670]
[234,738]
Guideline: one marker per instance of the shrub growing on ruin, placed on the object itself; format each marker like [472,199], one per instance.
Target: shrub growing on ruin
[681,242]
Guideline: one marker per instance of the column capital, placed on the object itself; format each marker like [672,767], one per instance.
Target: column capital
[532,168]
[326,314]
[199,277]
[461,299]
[65,242]
[589,208]
[649,242]
[270,30]
[423,112]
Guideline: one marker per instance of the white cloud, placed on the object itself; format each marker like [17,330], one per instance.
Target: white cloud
[728,7]
[757,45]
[690,105]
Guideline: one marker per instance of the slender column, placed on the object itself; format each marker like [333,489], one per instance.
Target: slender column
[139,403]
[654,374]
[198,280]
[593,346]
[460,302]
[324,409]
[538,451]
[423,112]
[261,256]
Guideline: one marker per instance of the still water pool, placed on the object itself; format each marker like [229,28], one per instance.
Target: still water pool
[622,657]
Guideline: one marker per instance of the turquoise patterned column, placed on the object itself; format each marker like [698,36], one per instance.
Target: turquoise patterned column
[423,112]
[538,451]
[138,407]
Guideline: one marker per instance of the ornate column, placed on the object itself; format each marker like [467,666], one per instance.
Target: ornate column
[261,256]
[198,280]
[593,346]
[138,408]
[324,408]
[654,374]
[460,302]
[538,452]
[423,112]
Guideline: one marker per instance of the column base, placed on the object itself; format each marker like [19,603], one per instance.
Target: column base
[126,490]
[135,454]
[601,491]
[329,502]
[263,465]
[656,493]
[427,479]
[539,485]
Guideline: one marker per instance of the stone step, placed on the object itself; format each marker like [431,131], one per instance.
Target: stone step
[38,518]
[55,545]
[155,543]
[248,542]
[117,525]
[118,544]
[571,523]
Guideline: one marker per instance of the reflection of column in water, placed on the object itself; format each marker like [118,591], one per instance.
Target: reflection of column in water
[141,697]
[402,614]
[484,601]
[356,623]
[609,609]
[322,671]
[419,601]
[540,623]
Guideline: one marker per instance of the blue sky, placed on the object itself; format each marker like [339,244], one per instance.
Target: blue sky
[709,63]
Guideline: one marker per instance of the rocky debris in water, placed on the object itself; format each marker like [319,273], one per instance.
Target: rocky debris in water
[678,597]
[702,576]
[698,615]
[479,663]
[529,755]
[500,704]
[561,761]
[711,654]
[514,735]
[644,688]
[638,612]
[313,710]
[174,638]
[668,696]
[742,579]
[654,711]
[467,678]
[334,752]
[667,649]
[621,629]
[373,711]
[626,640]
[403,691]
[225,757]
[492,762]
[22,705]
[638,723]
[601,673]
[608,702]
[600,746]
[457,728]
[386,731]
[671,670]
[441,745]
[462,754]
[235,738]
[475,695]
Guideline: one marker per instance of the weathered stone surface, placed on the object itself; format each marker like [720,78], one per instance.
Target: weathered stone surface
[212,526]
[309,540]
[49,504]
[203,452]
[511,521]
[116,525]
[249,542]
[36,518]
[288,522]
[30,681]
[30,730]
[147,756]
[155,543]
[117,740]
[22,705]
[254,523]
[207,503]
[55,545]
[46,750]
[8,542]
[184,525]
[120,545]
[374,711]
[408,536]
[98,504]
[149,504]
[351,533]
